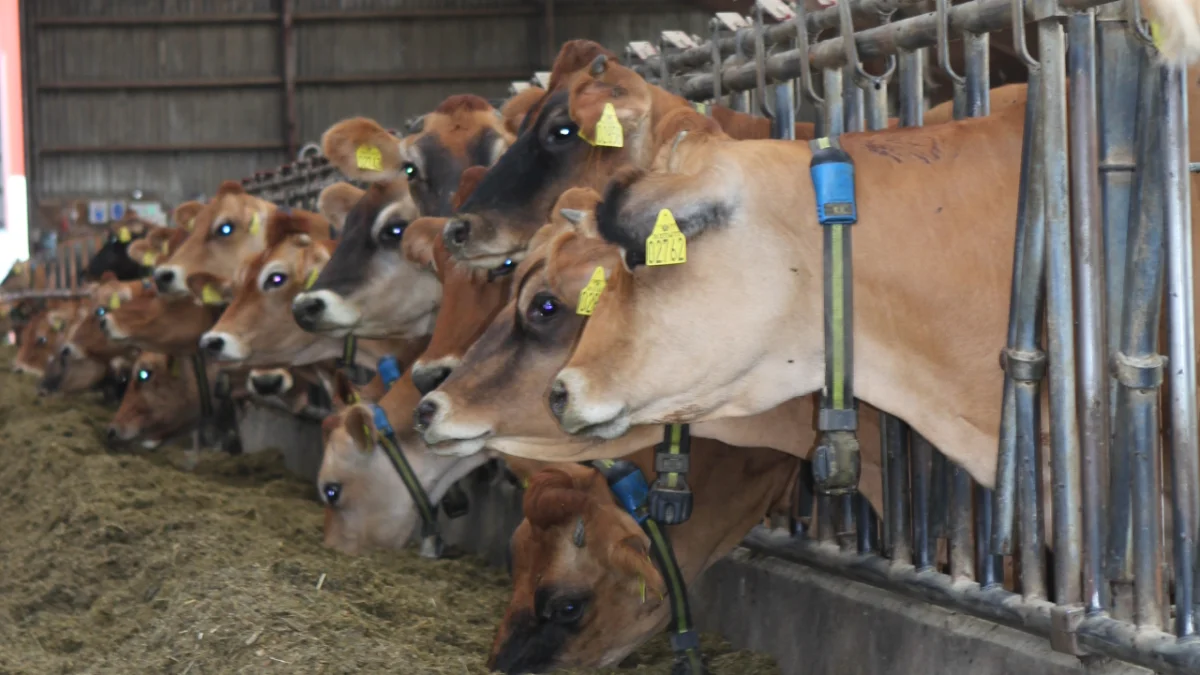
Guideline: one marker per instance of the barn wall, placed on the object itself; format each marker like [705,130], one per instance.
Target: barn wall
[172,96]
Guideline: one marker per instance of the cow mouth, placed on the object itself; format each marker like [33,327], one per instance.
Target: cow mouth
[613,427]
[460,447]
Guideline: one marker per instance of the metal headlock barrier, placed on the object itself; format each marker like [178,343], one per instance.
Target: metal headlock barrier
[1106,205]
[1103,236]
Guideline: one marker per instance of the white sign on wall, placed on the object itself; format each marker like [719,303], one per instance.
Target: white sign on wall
[97,212]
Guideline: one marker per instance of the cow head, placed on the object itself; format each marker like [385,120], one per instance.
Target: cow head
[85,357]
[465,130]
[497,388]
[356,292]
[471,298]
[257,327]
[225,233]
[585,591]
[133,313]
[366,503]
[114,254]
[557,151]
[161,401]
[43,337]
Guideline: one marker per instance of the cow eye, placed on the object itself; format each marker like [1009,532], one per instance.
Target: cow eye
[143,375]
[411,171]
[332,492]
[225,229]
[112,238]
[101,311]
[503,269]
[568,610]
[41,340]
[391,232]
[561,133]
[544,306]
[274,281]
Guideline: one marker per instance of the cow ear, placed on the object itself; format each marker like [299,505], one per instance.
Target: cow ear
[231,187]
[142,252]
[422,239]
[210,289]
[360,424]
[362,149]
[185,212]
[574,210]
[631,557]
[336,201]
[515,109]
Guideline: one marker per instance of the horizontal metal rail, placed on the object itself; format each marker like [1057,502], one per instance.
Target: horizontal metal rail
[980,16]
[1100,634]
[39,294]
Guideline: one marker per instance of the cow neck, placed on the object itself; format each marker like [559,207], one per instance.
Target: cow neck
[630,492]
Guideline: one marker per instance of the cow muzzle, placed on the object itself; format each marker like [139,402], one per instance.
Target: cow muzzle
[268,383]
[170,280]
[433,418]
[222,346]
[579,415]
[324,311]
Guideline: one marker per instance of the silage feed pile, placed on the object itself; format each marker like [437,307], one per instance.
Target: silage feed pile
[122,561]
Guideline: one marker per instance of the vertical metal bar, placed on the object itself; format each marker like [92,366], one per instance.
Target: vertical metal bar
[978,104]
[1137,365]
[1091,339]
[895,449]
[922,479]
[939,492]
[783,124]
[864,517]
[287,45]
[1024,360]
[852,97]
[962,555]
[1117,82]
[805,496]
[912,88]
[1181,346]
[844,513]
[834,123]
[1064,421]
[826,531]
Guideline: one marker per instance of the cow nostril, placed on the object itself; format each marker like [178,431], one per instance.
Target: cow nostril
[459,230]
[307,311]
[423,415]
[214,345]
[428,379]
[558,398]
[270,384]
[163,279]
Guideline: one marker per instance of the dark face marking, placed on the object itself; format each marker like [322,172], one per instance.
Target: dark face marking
[351,260]
[625,220]
[521,188]
[114,257]
[434,182]
[536,638]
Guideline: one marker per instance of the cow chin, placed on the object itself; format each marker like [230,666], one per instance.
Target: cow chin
[579,416]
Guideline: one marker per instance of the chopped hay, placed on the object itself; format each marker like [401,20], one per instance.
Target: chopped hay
[123,562]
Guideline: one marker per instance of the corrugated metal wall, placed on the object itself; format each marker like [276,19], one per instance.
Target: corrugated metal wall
[172,96]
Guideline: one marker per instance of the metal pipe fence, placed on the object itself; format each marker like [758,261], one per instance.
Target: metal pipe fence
[1102,253]
[1102,239]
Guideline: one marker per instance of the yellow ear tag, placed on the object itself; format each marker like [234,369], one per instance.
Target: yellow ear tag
[312,279]
[114,302]
[1156,35]
[255,223]
[123,235]
[210,295]
[166,246]
[368,158]
[191,223]
[148,259]
[609,133]
[590,294]
[666,245]
[57,324]
[353,400]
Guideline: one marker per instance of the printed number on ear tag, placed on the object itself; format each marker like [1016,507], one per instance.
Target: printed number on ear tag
[148,259]
[590,294]
[609,133]
[210,296]
[124,235]
[666,245]
[368,158]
